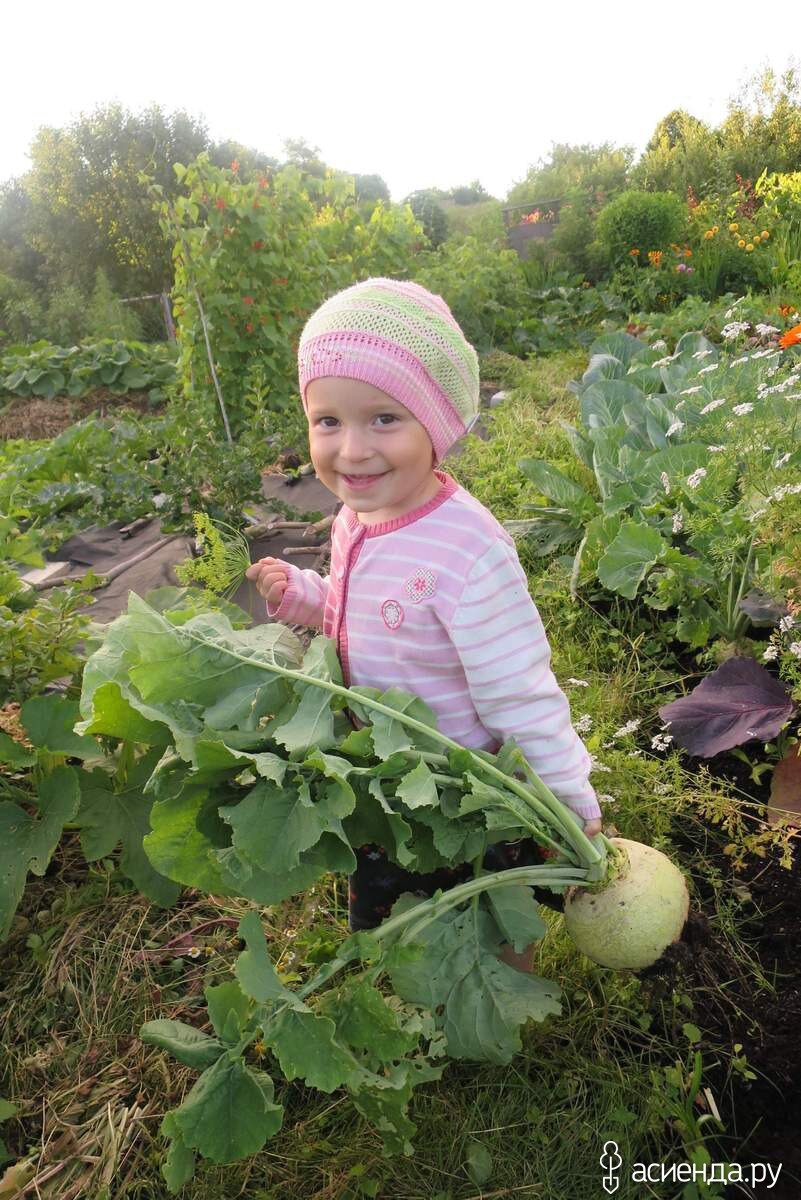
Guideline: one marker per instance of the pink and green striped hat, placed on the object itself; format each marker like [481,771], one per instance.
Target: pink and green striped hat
[404,340]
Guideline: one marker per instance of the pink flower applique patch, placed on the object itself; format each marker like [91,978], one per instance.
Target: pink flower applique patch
[421,585]
[392,613]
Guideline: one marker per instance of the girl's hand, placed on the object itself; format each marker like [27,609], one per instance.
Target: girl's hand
[271,579]
[592,827]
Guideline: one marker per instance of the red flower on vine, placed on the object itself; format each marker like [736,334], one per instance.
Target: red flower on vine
[219,204]
[249,327]
[258,245]
[282,281]
[247,300]
[263,181]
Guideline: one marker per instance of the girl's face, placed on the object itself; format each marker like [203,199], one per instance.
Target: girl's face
[368,449]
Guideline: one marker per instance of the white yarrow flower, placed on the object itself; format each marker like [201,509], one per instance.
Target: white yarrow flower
[626,729]
[660,344]
[716,449]
[734,329]
[711,367]
[676,427]
[741,409]
[771,653]
[786,623]
[764,330]
[578,682]
[780,462]
[665,482]
[696,477]
[738,362]
[691,391]
[712,405]
[661,741]
[678,522]
[583,724]
[598,766]
[699,354]
[795,649]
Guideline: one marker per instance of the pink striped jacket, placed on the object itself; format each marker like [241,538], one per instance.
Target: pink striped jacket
[441,608]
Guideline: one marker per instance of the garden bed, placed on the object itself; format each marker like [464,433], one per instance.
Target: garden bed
[34,418]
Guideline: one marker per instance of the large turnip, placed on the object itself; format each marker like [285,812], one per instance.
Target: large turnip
[629,923]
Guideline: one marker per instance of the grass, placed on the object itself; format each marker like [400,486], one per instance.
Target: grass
[88,961]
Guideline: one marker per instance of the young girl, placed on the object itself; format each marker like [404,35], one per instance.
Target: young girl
[426,592]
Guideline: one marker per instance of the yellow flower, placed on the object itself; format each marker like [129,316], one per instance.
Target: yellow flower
[750,246]
[756,237]
[741,243]
[715,228]
[765,234]
[709,234]
[733,227]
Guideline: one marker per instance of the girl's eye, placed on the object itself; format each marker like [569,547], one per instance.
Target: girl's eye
[388,416]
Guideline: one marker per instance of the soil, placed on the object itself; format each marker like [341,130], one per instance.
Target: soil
[33,418]
[762,1117]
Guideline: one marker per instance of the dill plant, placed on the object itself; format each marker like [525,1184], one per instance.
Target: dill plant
[224,557]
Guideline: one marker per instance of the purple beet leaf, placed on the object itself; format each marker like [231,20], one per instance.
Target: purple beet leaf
[737,702]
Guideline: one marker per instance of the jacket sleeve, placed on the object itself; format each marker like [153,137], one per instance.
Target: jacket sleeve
[303,602]
[500,638]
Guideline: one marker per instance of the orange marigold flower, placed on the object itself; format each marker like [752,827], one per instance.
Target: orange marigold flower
[634,253]
[655,257]
[791,338]
[786,309]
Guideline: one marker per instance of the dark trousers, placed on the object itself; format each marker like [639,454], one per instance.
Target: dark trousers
[376,883]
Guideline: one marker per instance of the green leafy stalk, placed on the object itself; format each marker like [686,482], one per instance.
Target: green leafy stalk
[538,798]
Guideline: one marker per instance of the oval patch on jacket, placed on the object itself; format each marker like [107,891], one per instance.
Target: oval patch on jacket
[392,613]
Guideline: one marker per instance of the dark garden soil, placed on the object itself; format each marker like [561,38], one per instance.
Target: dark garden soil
[762,1116]
[32,417]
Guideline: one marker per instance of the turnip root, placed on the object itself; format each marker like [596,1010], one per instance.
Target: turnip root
[629,923]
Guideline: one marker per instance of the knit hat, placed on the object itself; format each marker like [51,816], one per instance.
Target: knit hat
[404,340]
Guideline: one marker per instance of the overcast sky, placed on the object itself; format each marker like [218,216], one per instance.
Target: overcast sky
[425,94]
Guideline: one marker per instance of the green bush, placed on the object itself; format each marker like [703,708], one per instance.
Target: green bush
[639,220]
[21,312]
[107,316]
[484,286]
[430,215]
[65,321]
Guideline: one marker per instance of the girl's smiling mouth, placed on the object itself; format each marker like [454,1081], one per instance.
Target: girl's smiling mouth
[359,482]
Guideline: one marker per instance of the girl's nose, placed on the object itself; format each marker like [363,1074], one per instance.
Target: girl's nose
[355,444]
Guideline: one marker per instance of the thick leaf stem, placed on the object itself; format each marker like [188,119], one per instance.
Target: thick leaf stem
[409,923]
[537,796]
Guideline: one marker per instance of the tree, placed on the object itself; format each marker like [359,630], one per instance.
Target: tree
[370,189]
[428,212]
[471,193]
[88,208]
[600,172]
[681,153]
